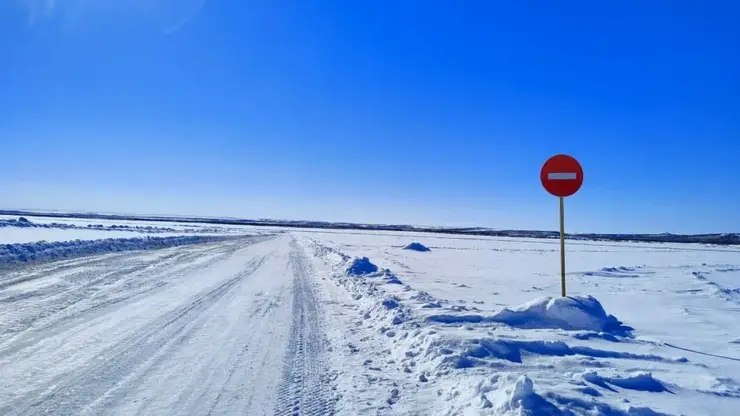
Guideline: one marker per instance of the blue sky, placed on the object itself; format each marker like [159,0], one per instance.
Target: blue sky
[431,112]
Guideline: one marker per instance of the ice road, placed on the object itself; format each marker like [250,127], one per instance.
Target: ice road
[221,328]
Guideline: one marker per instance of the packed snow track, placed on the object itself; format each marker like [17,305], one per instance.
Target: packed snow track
[231,327]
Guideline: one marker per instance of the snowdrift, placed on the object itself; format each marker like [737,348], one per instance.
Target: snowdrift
[361,266]
[513,396]
[572,313]
[569,313]
[417,246]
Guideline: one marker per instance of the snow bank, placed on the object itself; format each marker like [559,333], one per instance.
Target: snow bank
[416,246]
[42,250]
[361,266]
[569,313]
[572,313]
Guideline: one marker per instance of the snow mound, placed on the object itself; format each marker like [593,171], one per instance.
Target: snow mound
[361,266]
[416,246]
[390,303]
[504,395]
[391,278]
[568,313]
[519,398]
[572,313]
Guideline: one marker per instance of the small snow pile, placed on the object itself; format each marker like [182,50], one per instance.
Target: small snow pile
[569,313]
[416,246]
[391,278]
[519,398]
[504,394]
[390,303]
[361,266]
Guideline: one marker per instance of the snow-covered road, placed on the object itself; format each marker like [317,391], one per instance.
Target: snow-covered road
[231,327]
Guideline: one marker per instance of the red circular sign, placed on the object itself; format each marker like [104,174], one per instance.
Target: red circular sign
[562,175]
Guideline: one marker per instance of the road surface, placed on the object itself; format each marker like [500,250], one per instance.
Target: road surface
[223,328]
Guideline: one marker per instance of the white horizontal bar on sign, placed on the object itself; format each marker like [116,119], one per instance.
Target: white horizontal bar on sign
[565,176]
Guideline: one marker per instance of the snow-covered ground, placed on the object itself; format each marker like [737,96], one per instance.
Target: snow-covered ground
[14,230]
[358,322]
[25,240]
[84,222]
[476,325]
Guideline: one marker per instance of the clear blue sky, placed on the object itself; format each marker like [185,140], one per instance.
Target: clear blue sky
[425,112]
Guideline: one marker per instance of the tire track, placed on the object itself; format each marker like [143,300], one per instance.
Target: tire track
[306,386]
[86,292]
[98,384]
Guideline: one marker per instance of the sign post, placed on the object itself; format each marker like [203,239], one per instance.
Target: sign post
[562,176]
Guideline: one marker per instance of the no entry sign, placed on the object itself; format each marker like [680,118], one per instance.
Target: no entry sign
[561,175]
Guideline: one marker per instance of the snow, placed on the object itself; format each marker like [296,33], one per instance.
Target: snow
[23,222]
[63,229]
[361,266]
[328,322]
[642,324]
[416,246]
[15,235]
[13,230]
[42,250]
[85,222]
[221,329]
[570,313]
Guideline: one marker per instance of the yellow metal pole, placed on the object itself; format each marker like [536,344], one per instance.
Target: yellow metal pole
[562,248]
